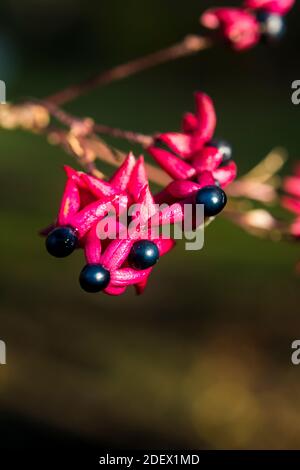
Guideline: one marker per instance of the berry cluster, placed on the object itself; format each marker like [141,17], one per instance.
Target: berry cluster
[244,27]
[120,259]
[200,168]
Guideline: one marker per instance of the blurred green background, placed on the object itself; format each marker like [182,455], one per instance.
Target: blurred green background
[202,359]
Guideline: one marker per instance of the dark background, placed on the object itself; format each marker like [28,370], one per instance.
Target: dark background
[202,359]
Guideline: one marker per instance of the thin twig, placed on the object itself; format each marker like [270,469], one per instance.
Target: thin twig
[70,120]
[135,137]
[190,45]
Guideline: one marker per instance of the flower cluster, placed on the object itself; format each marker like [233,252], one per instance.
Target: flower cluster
[120,258]
[93,213]
[244,27]
[199,165]
[291,199]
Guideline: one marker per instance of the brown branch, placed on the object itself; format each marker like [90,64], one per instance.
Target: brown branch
[135,137]
[87,125]
[81,141]
[190,45]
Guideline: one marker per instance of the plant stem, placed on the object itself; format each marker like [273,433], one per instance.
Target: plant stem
[142,139]
[70,120]
[190,45]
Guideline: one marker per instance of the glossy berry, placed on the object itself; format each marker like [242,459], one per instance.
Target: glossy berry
[143,255]
[94,278]
[272,25]
[213,198]
[61,242]
[224,147]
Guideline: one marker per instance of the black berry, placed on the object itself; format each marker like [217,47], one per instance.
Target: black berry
[272,25]
[61,242]
[143,255]
[94,278]
[213,198]
[224,147]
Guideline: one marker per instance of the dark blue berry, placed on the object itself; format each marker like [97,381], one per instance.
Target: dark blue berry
[94,278]
[213,198]
[224,147]
[143,255]
[272,25]
[61,242]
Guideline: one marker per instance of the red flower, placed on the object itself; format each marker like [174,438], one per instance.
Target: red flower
[243,27]
[237,25]
[197,129]
[87,199]
[198,162]
[273,6]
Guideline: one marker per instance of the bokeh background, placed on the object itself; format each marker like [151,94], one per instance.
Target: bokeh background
[202,359]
